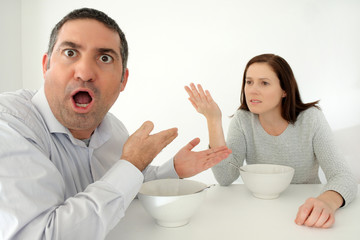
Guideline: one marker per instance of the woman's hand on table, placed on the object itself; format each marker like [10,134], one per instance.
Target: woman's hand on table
[319,212]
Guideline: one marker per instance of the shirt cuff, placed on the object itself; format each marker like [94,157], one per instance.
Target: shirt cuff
[126,178]
[167,170]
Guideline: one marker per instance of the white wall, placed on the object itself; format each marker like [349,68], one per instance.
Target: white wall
[173,43]
[10,45]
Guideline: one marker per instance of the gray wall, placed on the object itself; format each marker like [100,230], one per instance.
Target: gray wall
[10,45]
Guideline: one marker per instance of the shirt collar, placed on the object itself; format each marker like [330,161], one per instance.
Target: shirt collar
[40,102]
[101,134]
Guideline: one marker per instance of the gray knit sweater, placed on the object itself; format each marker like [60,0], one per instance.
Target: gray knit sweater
[304,145]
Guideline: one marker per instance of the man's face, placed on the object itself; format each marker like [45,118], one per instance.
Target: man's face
[84,77]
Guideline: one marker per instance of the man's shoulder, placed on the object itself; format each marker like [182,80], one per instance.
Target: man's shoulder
[17,109]
[16,103]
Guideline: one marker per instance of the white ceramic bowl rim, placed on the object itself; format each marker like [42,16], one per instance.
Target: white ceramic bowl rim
[171,187]
[267,169]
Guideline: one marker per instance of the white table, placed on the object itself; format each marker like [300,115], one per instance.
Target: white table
[233,213]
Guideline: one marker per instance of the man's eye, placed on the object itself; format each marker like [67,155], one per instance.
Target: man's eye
[70,53]
[106,58]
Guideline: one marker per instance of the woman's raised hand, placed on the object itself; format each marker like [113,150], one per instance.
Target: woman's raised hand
[203,102]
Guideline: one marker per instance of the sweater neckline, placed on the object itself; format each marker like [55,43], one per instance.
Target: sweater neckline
[264,133]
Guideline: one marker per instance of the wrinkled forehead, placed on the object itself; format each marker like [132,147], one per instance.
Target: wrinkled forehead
[89,33]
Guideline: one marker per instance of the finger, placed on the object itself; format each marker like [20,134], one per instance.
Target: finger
[193,143]
[220,149]
[193,103]
[165,137]
[145,129]
[329,222]
[212,161]
[190,93]
[217,157]
[194,91]
[213,151]
[201,92]
[324,217]
[313,217]
[208,96]
[303,214]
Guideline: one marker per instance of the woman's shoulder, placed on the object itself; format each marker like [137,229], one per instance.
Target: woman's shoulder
[243,114]
[311,113]
[242,119]
[312,116]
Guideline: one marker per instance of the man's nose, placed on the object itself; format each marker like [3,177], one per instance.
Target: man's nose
[85,69]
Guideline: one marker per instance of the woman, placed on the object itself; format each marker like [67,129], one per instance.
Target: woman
[273,125]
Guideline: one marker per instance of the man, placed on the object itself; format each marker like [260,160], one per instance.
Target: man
[68,169]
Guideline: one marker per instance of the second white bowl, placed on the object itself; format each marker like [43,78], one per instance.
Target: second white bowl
[266,181]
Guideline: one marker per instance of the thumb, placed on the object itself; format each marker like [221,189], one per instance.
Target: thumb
[145,128]
[193,143]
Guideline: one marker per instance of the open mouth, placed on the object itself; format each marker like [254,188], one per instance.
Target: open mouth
[255,101]
[82,99]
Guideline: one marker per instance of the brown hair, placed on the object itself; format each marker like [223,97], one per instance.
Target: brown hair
[291,105]
[89,13]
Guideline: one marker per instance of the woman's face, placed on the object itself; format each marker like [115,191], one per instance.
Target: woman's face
[262,90]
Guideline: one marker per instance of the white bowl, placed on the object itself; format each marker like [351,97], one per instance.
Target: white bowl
[266,181]
[171,202]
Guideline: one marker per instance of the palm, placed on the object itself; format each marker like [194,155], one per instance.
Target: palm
[189,163]
[203,102]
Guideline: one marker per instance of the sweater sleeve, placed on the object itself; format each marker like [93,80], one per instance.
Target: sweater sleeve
[224,172]
[338,174]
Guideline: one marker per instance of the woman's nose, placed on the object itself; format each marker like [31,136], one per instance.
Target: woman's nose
[85,70]
[253,89]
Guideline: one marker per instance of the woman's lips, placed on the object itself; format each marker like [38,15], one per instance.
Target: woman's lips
[255,101]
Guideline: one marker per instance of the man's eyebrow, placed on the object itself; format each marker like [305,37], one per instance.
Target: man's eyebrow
[99,50]
[109,50]
[69,44]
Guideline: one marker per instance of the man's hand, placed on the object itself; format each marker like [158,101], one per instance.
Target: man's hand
[141,148]
[188,163]
[319,212]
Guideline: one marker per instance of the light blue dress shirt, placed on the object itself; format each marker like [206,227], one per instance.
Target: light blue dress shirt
[53,186]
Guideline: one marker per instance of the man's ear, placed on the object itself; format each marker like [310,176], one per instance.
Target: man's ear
[124,80]
[45,62]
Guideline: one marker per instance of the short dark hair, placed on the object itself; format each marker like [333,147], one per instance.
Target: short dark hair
[89,13]
[292,104]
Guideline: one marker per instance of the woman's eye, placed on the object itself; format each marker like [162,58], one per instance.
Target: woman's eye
[248,82]
[265,83]
[70,53]
[106,58]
